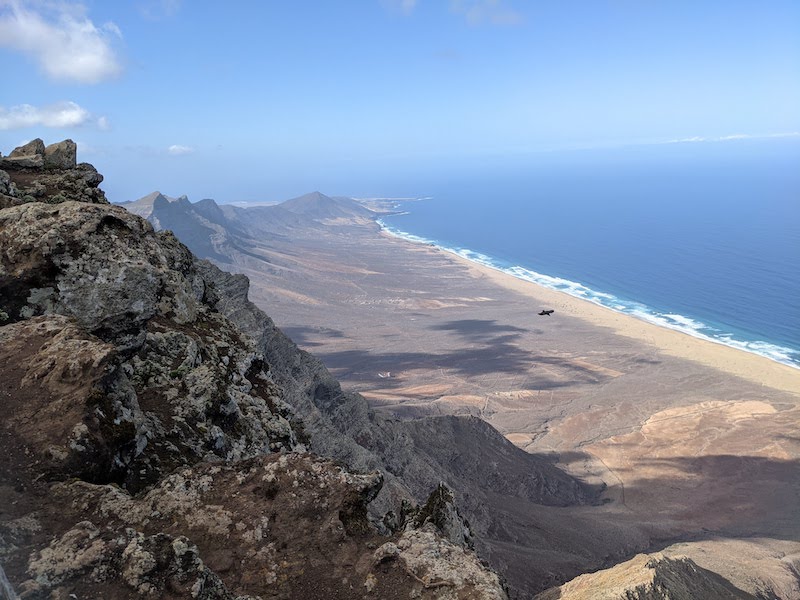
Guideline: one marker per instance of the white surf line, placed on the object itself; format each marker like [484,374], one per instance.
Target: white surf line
[642,312]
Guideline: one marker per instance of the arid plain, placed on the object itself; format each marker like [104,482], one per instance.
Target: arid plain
[696,442]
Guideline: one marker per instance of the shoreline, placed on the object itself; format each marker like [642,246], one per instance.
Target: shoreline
[715,354]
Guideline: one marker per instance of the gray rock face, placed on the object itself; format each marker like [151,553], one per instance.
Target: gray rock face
[139,564]
[118,368]
[183,385]
[22,162]
[441,511]
[32,148]
[62,155]
[7,187]
[98,264]
[441,569]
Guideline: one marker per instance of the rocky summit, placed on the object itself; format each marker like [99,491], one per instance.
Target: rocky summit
[161,438]
[38,173]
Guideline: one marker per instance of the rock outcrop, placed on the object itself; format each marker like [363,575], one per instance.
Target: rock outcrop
[149,448]
[35,173]
[278,526]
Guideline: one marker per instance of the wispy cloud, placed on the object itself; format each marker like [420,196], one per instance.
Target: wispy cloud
[475,12]
[156,10]
[178,150]
[61,38]
[490,12]
[59,115]
[406,7]
[734,136]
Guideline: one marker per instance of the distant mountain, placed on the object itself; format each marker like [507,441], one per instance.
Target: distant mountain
[143,207]
[318,206]
[231,234]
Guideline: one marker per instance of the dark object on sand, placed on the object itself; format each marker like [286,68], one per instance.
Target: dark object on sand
[547,313]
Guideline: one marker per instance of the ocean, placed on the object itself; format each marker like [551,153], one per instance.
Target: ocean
[699,237]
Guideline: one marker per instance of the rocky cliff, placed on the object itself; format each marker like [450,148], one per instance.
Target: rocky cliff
[157,427]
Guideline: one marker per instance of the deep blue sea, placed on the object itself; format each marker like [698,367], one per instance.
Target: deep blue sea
[703,237]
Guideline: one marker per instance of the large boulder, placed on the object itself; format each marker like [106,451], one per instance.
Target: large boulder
[32,148]
[50,175]
[62,155]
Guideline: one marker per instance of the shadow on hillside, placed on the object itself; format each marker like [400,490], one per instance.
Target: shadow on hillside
[302,335]
[707,497]
[735,495]
[477,330]
[497,358]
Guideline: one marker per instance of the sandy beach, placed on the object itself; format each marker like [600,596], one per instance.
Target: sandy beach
[740,363]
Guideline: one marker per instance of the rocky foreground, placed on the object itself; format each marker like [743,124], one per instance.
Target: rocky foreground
[147,448]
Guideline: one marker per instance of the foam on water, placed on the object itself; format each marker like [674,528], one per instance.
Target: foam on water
[677,322]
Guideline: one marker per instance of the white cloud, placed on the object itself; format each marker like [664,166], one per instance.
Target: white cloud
[407,6]
[178,150]
[695,138]
[734,136]
[65,43]
[60,115]
[491,12]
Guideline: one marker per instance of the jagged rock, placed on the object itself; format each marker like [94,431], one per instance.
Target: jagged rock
[279,526]
[93,559]
[32,148]
[62,155]
[50,175]
[649,577]
[27,156]
[8,191]
[82,409]
[56,371]
[440,569]
[502,490]
[98,264]
[6,186]
[441,511]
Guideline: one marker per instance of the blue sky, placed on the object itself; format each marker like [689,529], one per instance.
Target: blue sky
[263,100]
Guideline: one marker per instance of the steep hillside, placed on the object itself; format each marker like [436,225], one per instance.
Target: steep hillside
[143,207]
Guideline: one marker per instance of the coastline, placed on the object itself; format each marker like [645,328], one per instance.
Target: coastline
[741,363]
